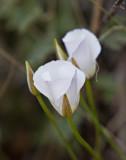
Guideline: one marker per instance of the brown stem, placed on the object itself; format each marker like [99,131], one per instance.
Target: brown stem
[95,23]
[113,10]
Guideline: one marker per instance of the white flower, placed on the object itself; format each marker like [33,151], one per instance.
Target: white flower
[60,81]
[83,48]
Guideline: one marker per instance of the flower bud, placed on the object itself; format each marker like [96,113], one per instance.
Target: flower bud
[29,73]
[60,54]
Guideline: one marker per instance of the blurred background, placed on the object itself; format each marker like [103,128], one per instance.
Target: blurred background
[27,31]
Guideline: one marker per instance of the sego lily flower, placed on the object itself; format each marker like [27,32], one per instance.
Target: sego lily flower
[83,48]
[60,81]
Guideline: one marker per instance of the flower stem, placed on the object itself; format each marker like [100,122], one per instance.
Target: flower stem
[90,97]
[50,116]
[102,131]
[94,110]
[82,141]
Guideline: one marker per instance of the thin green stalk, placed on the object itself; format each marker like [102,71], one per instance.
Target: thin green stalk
[90,97]
[82,141]
[50,116]
[93,107]
[102,131]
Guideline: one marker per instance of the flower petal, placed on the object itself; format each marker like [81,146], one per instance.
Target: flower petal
[91,69]
[54,78]
[93,43]
[58,87]
[82,56]
[58,105]
[74,89]
[72,39]
[72,92]
[80,80]
[57,79]
[40,84]
[65,74]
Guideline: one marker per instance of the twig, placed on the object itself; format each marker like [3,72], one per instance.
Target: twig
[113,10]
[95,23]
[108,32]
[104,11]
[11,59]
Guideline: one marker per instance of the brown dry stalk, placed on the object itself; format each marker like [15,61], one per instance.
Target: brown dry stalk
[113,10]
[95,23]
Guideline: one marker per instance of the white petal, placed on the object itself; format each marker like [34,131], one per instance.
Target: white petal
[91,69]
[80,80]
[58,105]
[66,73]
[84,60]
[93,43]
[74,89]
[57,69]
[59,87]
[41,85]
[54,78]
[72,92]
[57,78]
[72,39]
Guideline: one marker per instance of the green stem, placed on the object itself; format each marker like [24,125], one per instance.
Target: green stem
[102,131]
[90,97]
[81,140]
[50,116]
[93,107]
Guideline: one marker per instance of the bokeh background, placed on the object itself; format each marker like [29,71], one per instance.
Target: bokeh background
[27,31]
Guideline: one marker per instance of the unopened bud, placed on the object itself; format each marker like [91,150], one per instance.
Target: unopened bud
[30,82]
[60,54]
